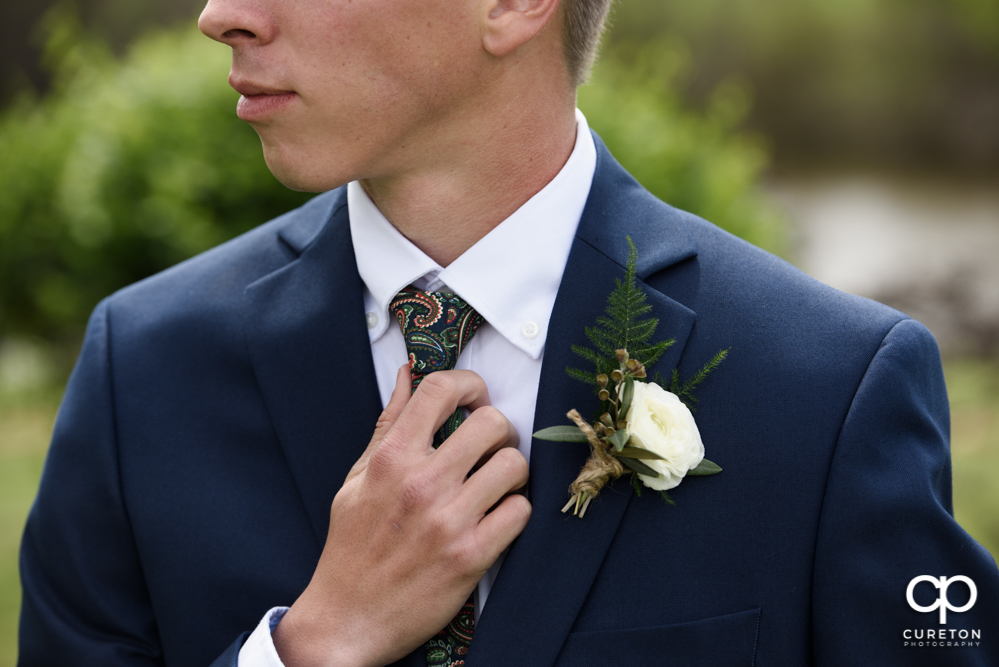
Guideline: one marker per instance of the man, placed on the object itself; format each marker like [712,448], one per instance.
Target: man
[214,456]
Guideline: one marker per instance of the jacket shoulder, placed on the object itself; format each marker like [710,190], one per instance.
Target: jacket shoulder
[753,280]
[214,281]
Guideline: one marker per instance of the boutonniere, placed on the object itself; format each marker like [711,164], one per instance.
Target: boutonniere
[640,428]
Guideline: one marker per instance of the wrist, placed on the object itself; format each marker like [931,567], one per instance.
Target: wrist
[305,637]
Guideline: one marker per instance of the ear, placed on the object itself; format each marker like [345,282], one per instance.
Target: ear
[509,24]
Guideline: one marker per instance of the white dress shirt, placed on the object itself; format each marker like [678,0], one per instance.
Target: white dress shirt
[511,277]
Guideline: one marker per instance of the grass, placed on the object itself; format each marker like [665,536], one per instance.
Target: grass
[25,427]
[973,386]
[24,435]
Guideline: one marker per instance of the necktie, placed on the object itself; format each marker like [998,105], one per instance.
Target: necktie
[437,326]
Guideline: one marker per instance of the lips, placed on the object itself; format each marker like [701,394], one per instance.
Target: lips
[259,101]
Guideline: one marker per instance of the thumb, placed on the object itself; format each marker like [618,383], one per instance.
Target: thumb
[400,397]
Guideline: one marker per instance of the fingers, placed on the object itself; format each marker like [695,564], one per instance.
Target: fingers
[400,395]
[501,526]
[505,472]
[439,395]
[484,432]
[397,402]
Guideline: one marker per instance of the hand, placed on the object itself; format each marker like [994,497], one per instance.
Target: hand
[409,533]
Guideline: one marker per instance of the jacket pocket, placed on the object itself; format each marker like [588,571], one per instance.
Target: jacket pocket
[720,641]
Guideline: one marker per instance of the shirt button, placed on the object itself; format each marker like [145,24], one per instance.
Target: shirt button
[372,320]
[530,329]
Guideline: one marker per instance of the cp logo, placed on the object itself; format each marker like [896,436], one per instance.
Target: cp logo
[942,602]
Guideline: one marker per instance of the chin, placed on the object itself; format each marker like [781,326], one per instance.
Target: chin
[296,171]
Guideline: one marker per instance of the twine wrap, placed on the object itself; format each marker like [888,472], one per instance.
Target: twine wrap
[600,468]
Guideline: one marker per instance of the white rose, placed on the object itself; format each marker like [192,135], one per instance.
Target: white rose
[659,422]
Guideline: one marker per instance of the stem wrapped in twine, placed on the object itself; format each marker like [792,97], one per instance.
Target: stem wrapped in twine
[600,468]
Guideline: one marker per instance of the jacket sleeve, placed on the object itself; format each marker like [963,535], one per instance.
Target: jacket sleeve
[85,600]
[887,518]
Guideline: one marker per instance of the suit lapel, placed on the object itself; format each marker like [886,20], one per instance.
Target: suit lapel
[307,341]
[306,322]
[549,570]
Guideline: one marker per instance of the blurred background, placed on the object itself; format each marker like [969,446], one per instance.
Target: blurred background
[858,139]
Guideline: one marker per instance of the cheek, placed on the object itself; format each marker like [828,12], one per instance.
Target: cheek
[426,58]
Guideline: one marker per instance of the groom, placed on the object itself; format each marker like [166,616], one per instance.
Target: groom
[241,473]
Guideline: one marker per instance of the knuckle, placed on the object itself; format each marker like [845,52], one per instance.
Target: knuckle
[385,420]
[520,509]
[513,462]
[415,490]
[439,526]
[437,387]
[384,424]
[491,418]
[382,459]
[465,553]
[341,503]
[475,379]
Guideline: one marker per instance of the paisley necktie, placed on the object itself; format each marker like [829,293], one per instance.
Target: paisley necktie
[437,326]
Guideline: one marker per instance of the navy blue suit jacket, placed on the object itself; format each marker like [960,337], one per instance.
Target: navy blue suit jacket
[217,407]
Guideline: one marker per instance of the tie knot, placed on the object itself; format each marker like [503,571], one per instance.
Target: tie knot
[436,327]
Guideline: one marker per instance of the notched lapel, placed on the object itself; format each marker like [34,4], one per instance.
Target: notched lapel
[310,352]
[550,569]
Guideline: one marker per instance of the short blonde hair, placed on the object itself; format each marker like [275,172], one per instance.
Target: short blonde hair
[582,25]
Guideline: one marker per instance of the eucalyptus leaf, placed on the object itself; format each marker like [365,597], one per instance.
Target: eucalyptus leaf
[619,439]
[563,433]
[639,467]
[638,453]
[626,397]
[705,467]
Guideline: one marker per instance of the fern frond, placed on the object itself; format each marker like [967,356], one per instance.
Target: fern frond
[623,325]
[701,375]
[588,354]
[637,483]
[582,376]
[651,354]
[674,382]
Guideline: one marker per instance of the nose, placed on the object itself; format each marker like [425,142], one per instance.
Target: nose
[237,22]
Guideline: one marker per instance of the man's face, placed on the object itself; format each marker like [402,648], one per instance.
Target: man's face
[346,89]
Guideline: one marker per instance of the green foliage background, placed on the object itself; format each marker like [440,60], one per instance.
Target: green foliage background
[697,159]
[905,84]
[126,169]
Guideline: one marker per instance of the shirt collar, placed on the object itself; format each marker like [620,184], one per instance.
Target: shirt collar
[510,276]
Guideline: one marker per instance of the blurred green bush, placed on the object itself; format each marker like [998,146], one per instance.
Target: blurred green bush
[127,168]
[698,161]
[131,166]
[898,83]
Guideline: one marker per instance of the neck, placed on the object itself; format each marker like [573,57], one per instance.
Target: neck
[466,184]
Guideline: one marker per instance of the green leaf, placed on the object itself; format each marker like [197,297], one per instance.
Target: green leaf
[638,453]
[637,483]
[686,392]
[582,376]
[639,467]
[705,467]
[561,434]
[626,397]
[624,325]
[619,439]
